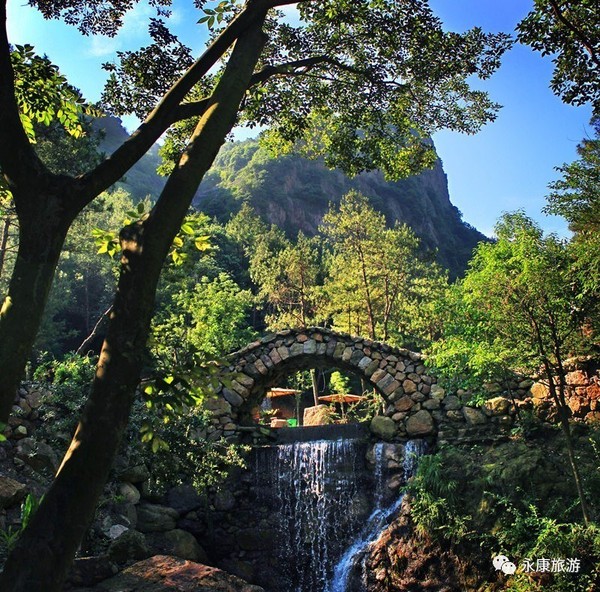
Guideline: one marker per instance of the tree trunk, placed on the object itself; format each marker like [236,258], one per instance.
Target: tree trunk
[23,307]
[563,415]
[315,385]
[45,550]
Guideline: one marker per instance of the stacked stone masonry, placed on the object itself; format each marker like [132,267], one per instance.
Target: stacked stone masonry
[416,406]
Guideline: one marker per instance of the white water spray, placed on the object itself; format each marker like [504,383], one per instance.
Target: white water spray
[379,518]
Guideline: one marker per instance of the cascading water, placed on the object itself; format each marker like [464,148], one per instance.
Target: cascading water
[320,494]
[380,517]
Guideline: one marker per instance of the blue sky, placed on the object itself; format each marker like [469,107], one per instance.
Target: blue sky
[506,166]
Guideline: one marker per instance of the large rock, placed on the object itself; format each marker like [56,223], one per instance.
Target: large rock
[129,492]
[496,406]
[129,546]
[539,391]
[317,415]
[155,518]
[474,416]
[135,474]
[177,543]
[87,571]
[383,427]
[184,499]
[420,424]
[11,492]
[170,574]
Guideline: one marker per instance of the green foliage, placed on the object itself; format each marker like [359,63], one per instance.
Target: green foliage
[215,16]
[288,283]
[68,381]
[82,287]
[576,197]
[338,382]
[435,508]
[211,318]
[10,535]
[395,56]
[43,94]
[509,499]
[519,306]
[393,53]
[568,31]
[372,404]
[375,274]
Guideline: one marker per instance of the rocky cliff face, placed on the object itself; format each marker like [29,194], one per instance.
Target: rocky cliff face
[295,193]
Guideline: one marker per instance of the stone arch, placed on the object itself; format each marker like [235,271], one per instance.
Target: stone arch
[416,406]
[397,374]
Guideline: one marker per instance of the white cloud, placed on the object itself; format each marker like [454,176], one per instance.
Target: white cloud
[103,46]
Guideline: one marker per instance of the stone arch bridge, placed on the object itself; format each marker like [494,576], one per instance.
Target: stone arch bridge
[416,406]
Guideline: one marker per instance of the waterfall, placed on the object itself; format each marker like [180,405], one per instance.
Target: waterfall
[318,490]
[379,518]
[320,495]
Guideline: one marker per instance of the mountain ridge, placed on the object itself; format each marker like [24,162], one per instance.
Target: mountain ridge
[294,193]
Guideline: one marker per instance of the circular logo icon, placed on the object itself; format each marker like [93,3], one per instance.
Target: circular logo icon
[499,561]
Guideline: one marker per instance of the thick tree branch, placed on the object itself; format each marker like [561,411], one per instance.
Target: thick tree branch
[291,69]
[558,13]
[18,160]
[158,121]
[294,68]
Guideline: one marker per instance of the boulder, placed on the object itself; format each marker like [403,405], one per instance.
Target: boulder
[184,499]
[409,386]
[87,571]
[155,518]
[239,568]
[431,404]
[383,427]
[129,493]
[129,546]
[38,455]
[170,574]
[404,404]
[11,492]
[451,403]
[177,543]
[474,416]
[317,415]
[224,500]
[420,424]
[539,391]
[437,392]
[135,474]
[496,406]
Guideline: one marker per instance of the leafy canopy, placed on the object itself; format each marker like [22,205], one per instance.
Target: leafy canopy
[519,307]
[569,30]
[361,83]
